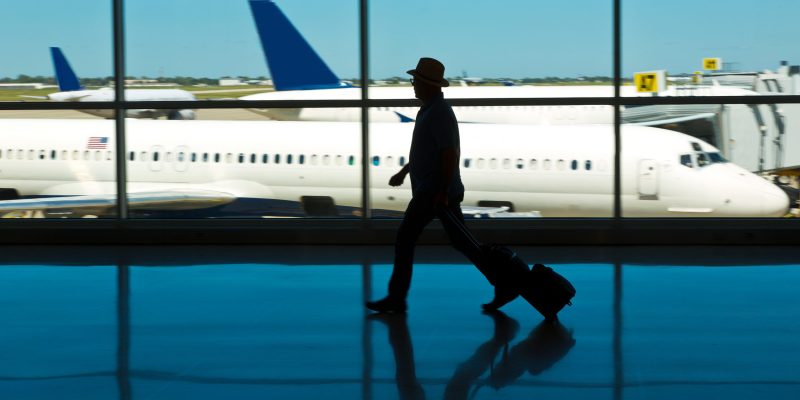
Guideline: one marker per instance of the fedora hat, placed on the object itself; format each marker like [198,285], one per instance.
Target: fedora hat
[431,71]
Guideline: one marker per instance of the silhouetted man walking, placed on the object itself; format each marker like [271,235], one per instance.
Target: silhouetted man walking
[435,179]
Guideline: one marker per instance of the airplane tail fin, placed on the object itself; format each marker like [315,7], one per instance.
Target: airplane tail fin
[292,62]
[65,76]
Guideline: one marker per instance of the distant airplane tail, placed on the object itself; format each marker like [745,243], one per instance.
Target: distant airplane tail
[65,76]
[292,62]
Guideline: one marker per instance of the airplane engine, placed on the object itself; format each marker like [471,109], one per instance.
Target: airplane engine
[8,194]
[181,114]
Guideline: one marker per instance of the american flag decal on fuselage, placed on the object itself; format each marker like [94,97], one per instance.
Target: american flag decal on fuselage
[97,142]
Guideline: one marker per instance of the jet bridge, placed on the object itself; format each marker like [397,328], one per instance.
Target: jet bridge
[758,137]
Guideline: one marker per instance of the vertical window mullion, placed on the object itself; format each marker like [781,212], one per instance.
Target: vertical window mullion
[119,109]
[365,194]
[617,114]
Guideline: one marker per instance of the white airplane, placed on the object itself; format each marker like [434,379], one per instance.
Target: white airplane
[299,73]
[66,167]
[71,90]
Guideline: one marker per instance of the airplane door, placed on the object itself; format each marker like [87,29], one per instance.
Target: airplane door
[648,180]
[156,158]
[181,163]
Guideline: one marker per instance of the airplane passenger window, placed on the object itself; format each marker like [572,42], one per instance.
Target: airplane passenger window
[506,163]
[288,158]
[326,160]
[481,163]
[351,160]
[155,156]
[696,146]
[588,165]
[314,159]
[389,161]
[533,164]
[52,154]
[252,158]
[205,157]
[338,160]
[493,163]
[76,155]
[560,165]
[143,156]
[547,164]
[301,159]
[194,157]
[402,161]
[264,158]
[216,157]
[241,158]
[520,163]
[277,159]
[228,158]
[131,156]
[64,154]
[98,156]
[168,157]
[181,156]
[686,160]
[466,162]
[109,155]
[574,165]
[376,161]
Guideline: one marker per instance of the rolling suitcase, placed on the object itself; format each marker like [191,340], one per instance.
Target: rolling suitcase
[546,290]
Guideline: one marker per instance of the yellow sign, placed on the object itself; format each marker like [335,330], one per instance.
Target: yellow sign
[712,64]
[646,82]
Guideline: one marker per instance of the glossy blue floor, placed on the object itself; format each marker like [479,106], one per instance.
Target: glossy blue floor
[289,323]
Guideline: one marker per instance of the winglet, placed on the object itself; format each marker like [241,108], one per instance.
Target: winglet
[65,76]
[292,62]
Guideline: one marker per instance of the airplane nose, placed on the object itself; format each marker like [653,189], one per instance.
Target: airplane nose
[775,203]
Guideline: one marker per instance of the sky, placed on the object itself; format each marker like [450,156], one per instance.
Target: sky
[501,38]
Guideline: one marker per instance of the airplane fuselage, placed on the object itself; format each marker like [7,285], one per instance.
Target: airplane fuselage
[563,171]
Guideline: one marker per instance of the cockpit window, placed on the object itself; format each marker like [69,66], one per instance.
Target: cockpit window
[686,160]
[702,160]
[717,158]
[696,146]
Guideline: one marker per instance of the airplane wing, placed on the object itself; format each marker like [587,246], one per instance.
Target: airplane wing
[101,204]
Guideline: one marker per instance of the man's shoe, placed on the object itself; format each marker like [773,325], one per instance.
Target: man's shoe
[388,306]
[502,296]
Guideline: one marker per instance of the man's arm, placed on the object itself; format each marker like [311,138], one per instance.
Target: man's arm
[449,165]
[399,177]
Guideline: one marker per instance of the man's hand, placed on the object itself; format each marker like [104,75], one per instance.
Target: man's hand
[398,178]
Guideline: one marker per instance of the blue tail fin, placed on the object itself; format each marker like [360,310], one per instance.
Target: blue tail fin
[65,76]
[293,64]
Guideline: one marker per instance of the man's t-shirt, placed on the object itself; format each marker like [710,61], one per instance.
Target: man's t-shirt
[436,129]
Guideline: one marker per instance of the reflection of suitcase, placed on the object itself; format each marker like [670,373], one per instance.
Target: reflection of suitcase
[543,288]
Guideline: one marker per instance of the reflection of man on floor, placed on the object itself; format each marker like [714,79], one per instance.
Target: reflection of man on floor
[468,372]
[547,344]
[405,370]
[435,180]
